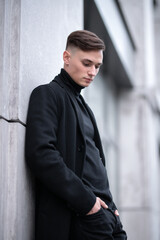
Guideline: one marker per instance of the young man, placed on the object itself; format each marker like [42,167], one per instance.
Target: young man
[64,152]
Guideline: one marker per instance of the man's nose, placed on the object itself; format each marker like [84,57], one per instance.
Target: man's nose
[92,71]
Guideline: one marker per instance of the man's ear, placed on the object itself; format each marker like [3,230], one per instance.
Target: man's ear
[66,57]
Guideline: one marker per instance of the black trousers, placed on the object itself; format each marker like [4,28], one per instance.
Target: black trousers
[103,225]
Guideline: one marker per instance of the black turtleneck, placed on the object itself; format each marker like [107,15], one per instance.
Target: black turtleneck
[72,84]
[94,172]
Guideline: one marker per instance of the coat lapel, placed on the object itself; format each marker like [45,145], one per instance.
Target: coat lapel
[73,102]
[97,136]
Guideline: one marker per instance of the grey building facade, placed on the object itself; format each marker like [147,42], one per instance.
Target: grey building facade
[125,98]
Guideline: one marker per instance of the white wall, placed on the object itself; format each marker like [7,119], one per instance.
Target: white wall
[138,141]
[33,36]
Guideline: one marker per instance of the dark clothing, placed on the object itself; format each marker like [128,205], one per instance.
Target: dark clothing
[94,171]
[102,225]
[55,152]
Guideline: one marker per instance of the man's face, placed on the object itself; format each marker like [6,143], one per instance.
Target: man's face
[82,66]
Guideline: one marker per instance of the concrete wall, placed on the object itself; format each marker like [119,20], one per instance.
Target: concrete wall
[32,40]
[132,147]
[139,168]
[157,40]
[16,188]
[138,138]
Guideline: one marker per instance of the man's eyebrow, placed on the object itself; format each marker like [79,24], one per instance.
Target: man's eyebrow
[88,60]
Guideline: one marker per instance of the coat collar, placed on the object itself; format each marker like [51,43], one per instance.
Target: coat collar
[68,82]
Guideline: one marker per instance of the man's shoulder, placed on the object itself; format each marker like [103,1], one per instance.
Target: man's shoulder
[56,84]
[54,88]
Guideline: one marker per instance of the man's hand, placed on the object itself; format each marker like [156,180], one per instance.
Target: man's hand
[97,206]
[116,213]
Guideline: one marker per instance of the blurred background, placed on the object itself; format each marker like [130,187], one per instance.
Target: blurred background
[125,97]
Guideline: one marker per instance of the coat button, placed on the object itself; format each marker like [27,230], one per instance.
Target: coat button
[80,148]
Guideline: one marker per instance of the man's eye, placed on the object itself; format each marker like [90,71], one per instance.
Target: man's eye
[86,64]
[97,67]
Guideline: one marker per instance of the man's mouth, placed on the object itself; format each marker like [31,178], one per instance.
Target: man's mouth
[88,79]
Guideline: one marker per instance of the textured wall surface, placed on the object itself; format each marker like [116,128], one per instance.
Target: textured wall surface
[45,26]
[16,188]
[138,138]
[139,169]
[32,40]
[157,40]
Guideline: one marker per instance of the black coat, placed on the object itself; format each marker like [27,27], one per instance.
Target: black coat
[55,152]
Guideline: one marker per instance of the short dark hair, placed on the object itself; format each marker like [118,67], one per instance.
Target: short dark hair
[85,40]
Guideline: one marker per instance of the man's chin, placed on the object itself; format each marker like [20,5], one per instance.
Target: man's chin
[86,84]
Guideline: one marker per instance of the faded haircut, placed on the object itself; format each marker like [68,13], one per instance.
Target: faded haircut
[85,40]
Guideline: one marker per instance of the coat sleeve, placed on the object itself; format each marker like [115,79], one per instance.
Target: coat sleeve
[43,157]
